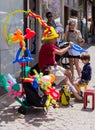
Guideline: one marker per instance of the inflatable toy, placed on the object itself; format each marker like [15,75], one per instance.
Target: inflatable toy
[51,34]
[29,80]
[52,77]
[23,59]
[15,91]
[10,78]
[53,92]
[46,78]
[35,83]
[27,13]
[76,50]
[40,20]
[4,83]
[7,20]
[18,37]
[45,85]
[49,101]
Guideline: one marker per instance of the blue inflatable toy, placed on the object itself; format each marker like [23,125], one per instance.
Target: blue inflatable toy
[76,50]
[23,59]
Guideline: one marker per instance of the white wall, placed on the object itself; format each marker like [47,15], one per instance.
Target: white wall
[7,53]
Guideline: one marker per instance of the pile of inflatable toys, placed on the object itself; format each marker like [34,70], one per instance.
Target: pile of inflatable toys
[41,86]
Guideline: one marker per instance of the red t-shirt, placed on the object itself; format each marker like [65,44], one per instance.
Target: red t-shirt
[46,56]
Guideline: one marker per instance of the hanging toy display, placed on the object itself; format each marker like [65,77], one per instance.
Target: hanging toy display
[18,37]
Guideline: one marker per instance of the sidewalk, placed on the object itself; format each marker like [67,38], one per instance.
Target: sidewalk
[63,118]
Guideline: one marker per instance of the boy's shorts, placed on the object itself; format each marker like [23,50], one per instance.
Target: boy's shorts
[58,71]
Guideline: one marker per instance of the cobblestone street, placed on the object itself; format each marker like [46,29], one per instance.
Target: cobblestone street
[63,118]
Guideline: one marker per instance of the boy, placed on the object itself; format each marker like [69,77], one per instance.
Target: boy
[86,72]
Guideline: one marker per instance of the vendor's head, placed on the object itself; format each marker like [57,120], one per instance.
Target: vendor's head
[51,36]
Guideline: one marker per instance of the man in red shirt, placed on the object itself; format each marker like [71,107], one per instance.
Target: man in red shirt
[47,56]
[47,60]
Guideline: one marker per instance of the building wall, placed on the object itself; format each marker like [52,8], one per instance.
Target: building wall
[70,10]
[7,53]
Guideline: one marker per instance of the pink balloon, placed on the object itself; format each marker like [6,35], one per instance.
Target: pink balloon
[46,78]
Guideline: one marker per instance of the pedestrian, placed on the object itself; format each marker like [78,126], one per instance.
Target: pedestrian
[92,28]
[50,20]
[74,35]
[46,60]
[86,72]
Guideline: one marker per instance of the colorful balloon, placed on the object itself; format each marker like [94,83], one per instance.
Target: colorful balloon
[7,20]
[52,77]
[18,36]
[46,78]
[76,50]
[53,92]
[23,59]
[29,33]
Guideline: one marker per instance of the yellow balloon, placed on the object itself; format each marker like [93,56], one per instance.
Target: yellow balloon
[52,77]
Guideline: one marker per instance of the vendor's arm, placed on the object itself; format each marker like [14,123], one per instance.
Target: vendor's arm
[63,50]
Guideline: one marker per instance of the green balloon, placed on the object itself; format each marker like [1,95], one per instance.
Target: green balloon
[11,36]
[10,42]
[16,87]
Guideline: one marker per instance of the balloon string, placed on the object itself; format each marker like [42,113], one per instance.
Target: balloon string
[38,17]
[29,13]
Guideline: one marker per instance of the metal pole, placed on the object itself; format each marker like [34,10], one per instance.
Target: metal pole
[24,30]
[62,12]
[85,26]
[25,19]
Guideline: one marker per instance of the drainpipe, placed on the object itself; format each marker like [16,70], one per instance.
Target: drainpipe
[85,16]
[93,10]
[25,19]
[38,26]
[62,12]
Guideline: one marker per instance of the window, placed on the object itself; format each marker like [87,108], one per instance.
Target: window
[53,6]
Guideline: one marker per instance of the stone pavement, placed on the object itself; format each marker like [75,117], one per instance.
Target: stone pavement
[63,118]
